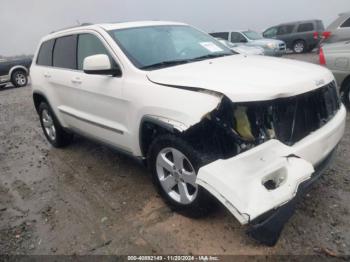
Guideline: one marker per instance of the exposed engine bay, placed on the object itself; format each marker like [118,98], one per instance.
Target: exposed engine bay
[235,128]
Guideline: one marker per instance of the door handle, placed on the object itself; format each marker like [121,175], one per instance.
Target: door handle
[47,75]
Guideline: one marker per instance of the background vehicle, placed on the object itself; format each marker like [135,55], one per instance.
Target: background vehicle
[339,30]
[272,47]
[301,36]
[15,71]
[242,49]
[336,56]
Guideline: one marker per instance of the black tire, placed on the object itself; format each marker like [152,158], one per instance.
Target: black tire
[345,95]
[203,203]
[19,78]
[299,47]
[61,138]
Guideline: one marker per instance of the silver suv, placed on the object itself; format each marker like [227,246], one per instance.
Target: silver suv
[339,30]
[272,47]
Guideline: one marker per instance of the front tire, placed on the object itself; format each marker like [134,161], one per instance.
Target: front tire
[52,129]
[174,164]
[19,78]
[299,47]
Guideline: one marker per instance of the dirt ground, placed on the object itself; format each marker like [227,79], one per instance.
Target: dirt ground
[88,199]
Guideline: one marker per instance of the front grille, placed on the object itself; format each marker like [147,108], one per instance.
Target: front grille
[282,46]
[293,118]
[297,117]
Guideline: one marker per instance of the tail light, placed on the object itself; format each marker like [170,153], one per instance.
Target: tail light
[326,35]
[316,35]
[322,57]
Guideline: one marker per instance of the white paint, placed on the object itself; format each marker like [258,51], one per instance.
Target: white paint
[96,63]
[121,103]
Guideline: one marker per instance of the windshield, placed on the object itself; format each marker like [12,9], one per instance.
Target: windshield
[162,46]
[252,35]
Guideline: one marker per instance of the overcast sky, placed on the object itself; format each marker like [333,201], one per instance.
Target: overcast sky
[24,22]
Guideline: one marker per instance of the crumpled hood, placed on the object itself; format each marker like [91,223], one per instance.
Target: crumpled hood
[246,78]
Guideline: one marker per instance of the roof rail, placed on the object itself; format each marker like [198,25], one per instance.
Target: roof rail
[71,27]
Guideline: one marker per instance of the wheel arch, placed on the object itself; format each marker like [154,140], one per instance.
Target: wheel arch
[18,68]
[153,126]
[38,98]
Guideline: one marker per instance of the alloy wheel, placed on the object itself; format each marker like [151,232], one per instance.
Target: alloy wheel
[299,47]
[177,175]
[20,79]
[48,124]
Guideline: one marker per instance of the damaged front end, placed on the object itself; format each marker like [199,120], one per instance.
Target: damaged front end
[252,167]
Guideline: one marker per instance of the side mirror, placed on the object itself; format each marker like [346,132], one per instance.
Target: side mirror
[99,65]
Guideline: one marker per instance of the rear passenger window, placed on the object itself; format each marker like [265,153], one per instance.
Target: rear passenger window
[237,38]
[223,35]
[285,29]
[306,27]
[45,53]
[346,23]
[89,45]
[65,52]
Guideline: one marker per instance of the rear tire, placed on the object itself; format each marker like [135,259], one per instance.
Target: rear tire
[19,78]
[345,95]
[52,129]
[299,47]
[182,163]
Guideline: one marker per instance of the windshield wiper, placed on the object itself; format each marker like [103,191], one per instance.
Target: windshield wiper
[182,61]
[166,63]
[209,56]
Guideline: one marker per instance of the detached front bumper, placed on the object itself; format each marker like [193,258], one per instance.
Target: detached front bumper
[260,186]
[267,228]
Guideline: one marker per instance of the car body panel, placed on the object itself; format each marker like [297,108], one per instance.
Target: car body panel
[338,33]
[337,56]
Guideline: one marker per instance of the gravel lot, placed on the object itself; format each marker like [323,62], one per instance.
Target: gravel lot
[88,199]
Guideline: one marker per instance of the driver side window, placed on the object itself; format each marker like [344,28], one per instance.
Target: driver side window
[237,38]
[272,32]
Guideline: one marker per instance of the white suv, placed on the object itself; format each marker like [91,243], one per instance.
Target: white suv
[251,132]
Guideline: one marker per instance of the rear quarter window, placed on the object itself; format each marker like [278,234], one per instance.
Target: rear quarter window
[45,53]
[307,27]
[65,52]
[346,23]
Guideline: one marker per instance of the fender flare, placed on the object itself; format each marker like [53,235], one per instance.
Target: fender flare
[171,126]
[14,68]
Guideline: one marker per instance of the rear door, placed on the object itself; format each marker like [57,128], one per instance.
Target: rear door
[61,76]
[305,31]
